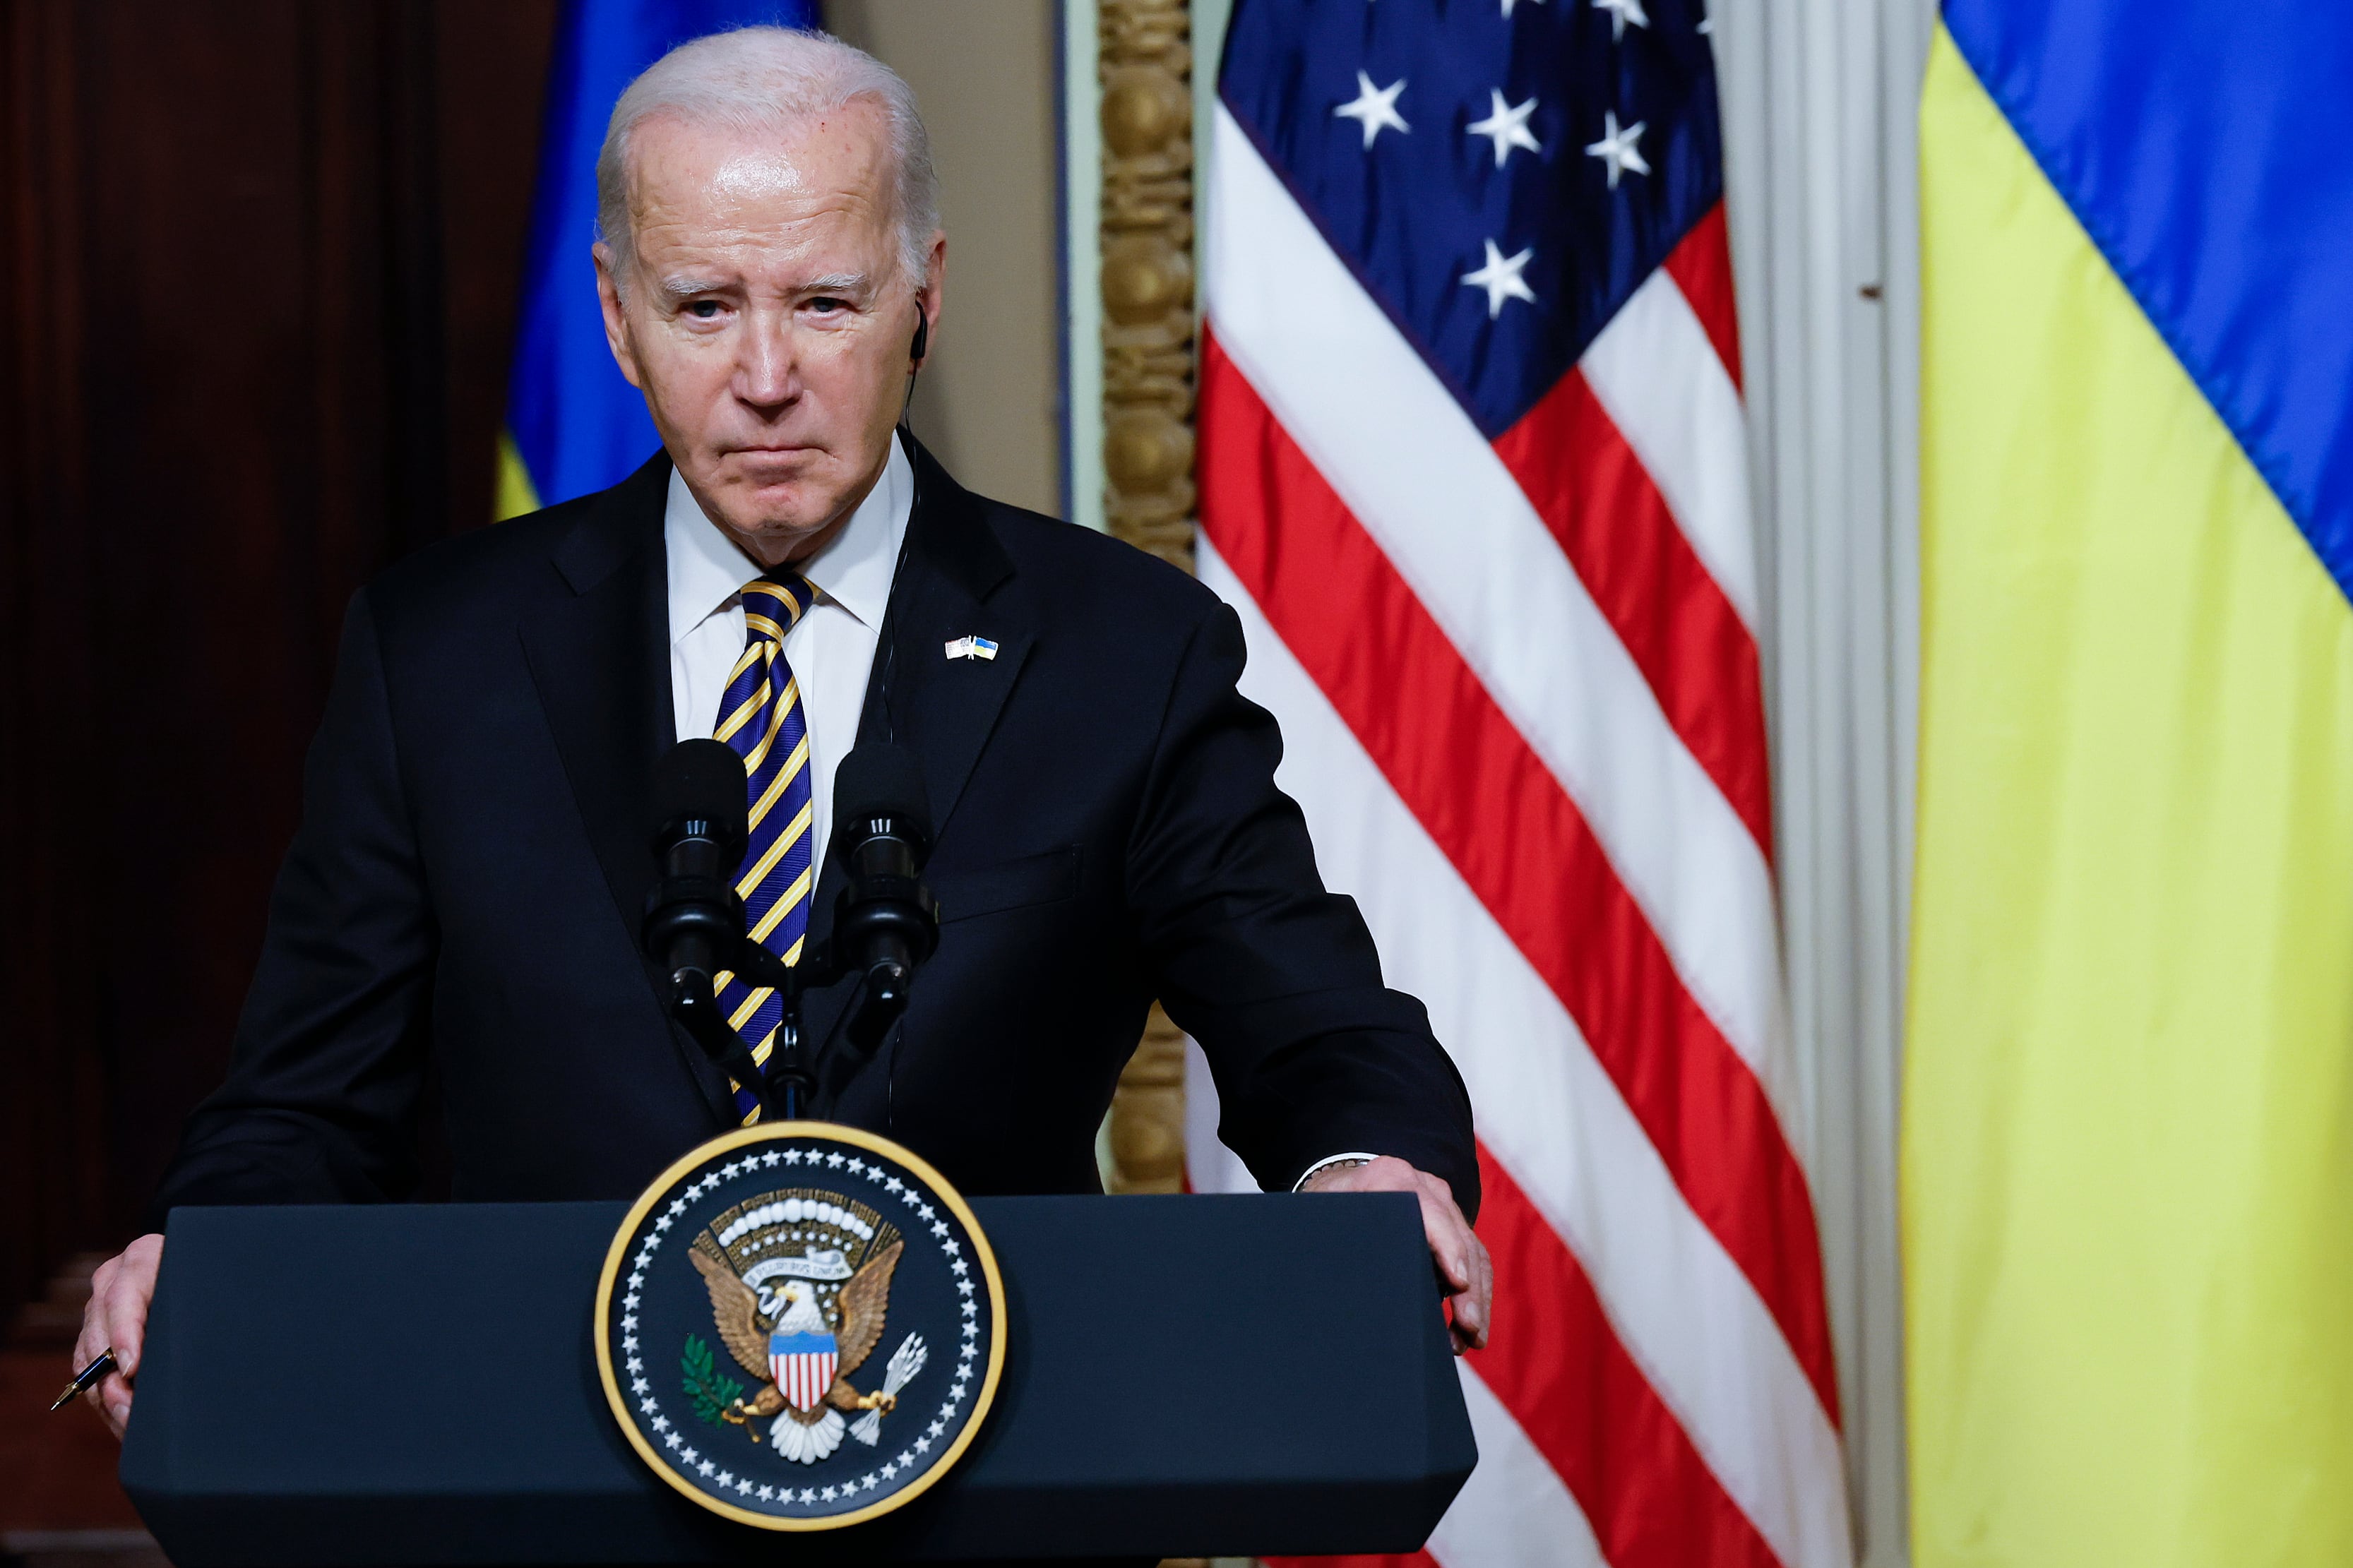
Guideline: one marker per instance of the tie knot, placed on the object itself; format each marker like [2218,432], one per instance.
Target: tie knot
[774,605]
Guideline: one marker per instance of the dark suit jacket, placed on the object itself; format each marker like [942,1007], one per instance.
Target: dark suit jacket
[467,882]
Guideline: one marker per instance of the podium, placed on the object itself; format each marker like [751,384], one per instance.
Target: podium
[1185,1376]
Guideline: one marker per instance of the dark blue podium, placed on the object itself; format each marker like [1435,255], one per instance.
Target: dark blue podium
[1185,1376]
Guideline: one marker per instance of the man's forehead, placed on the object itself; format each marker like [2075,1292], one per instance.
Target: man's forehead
[718,207]
[844,150]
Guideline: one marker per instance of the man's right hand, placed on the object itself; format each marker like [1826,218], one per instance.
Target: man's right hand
[116,1319]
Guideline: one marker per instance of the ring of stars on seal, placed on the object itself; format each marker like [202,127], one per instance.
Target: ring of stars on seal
[800,1326]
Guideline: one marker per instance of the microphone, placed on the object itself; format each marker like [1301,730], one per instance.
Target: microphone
[693,915]
[694,921]
[887,922]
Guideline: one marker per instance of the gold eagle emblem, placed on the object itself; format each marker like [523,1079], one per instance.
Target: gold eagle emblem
[800,1292]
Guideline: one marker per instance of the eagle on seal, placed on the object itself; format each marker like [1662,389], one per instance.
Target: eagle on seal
[811,1429]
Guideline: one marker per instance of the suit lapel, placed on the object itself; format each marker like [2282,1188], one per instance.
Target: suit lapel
[956,581]
[959,583]
[600,661]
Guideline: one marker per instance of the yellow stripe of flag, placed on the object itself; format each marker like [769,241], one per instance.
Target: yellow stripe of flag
[2128,1178]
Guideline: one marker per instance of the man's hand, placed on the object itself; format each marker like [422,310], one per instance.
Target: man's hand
[1461,1256]
[116,1318]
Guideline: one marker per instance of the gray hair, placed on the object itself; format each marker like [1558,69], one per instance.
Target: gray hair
[771,80]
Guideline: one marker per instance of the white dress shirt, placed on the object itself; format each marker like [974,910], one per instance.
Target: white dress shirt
[831,649]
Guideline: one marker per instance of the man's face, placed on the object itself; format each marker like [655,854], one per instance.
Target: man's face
[767,320]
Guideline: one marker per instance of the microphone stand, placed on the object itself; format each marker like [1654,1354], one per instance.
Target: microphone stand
[790,1077]
[697,922]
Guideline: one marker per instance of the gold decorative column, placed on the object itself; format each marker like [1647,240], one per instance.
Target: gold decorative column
[1147,274]
[1145,62]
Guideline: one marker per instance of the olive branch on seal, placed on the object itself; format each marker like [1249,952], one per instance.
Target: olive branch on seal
[710,1393]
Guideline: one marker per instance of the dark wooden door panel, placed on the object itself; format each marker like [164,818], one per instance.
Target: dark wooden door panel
[258,273]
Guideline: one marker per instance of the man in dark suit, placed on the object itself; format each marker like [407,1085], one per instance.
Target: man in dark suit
[465,892]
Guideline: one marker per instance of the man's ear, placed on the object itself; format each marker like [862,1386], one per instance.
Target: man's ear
[616,323]
[933,295]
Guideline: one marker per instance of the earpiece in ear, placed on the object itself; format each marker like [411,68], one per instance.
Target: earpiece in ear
[923,343]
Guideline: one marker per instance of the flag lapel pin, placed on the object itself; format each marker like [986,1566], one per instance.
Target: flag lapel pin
[972,647]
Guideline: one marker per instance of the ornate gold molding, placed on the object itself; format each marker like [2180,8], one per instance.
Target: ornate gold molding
[1145,63]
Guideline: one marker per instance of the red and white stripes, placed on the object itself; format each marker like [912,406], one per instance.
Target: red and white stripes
[1518,685]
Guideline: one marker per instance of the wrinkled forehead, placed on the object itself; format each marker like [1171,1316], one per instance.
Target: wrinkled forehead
[681,168]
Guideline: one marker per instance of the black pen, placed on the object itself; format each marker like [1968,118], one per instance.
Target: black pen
[86,1379]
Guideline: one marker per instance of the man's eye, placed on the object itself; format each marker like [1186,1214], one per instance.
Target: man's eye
[824,305]
[703,309]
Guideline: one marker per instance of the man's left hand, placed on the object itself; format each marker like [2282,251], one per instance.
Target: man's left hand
[1461,1256]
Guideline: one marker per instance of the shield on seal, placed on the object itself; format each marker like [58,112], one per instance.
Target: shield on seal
[802,1365]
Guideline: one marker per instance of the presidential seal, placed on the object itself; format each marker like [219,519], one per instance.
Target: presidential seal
[800,1326]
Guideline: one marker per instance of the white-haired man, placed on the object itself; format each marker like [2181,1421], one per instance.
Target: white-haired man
[466,888]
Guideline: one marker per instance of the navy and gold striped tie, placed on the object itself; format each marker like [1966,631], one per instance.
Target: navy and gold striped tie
[761,718]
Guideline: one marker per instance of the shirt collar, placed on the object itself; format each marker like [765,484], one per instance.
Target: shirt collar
[854,570]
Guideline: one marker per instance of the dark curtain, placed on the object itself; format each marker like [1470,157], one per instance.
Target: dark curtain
[259,261]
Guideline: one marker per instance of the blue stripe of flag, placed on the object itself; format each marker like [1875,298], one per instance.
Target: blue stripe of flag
[2204,146]
[577,424]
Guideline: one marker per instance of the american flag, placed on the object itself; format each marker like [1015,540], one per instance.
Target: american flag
[1472,474]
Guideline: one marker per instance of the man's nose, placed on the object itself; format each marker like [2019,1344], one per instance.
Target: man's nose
[767,370]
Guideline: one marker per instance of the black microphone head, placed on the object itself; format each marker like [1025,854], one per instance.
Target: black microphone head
[701,781]
[881,781]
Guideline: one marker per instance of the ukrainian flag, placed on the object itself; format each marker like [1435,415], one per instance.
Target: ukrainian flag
[574,425]
[2129,1099]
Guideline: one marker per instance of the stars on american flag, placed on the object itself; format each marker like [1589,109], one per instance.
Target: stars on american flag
[1621,13]
[1375,108]
[1506,126]
[1616,148]
[1509,127]
[1501,278]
